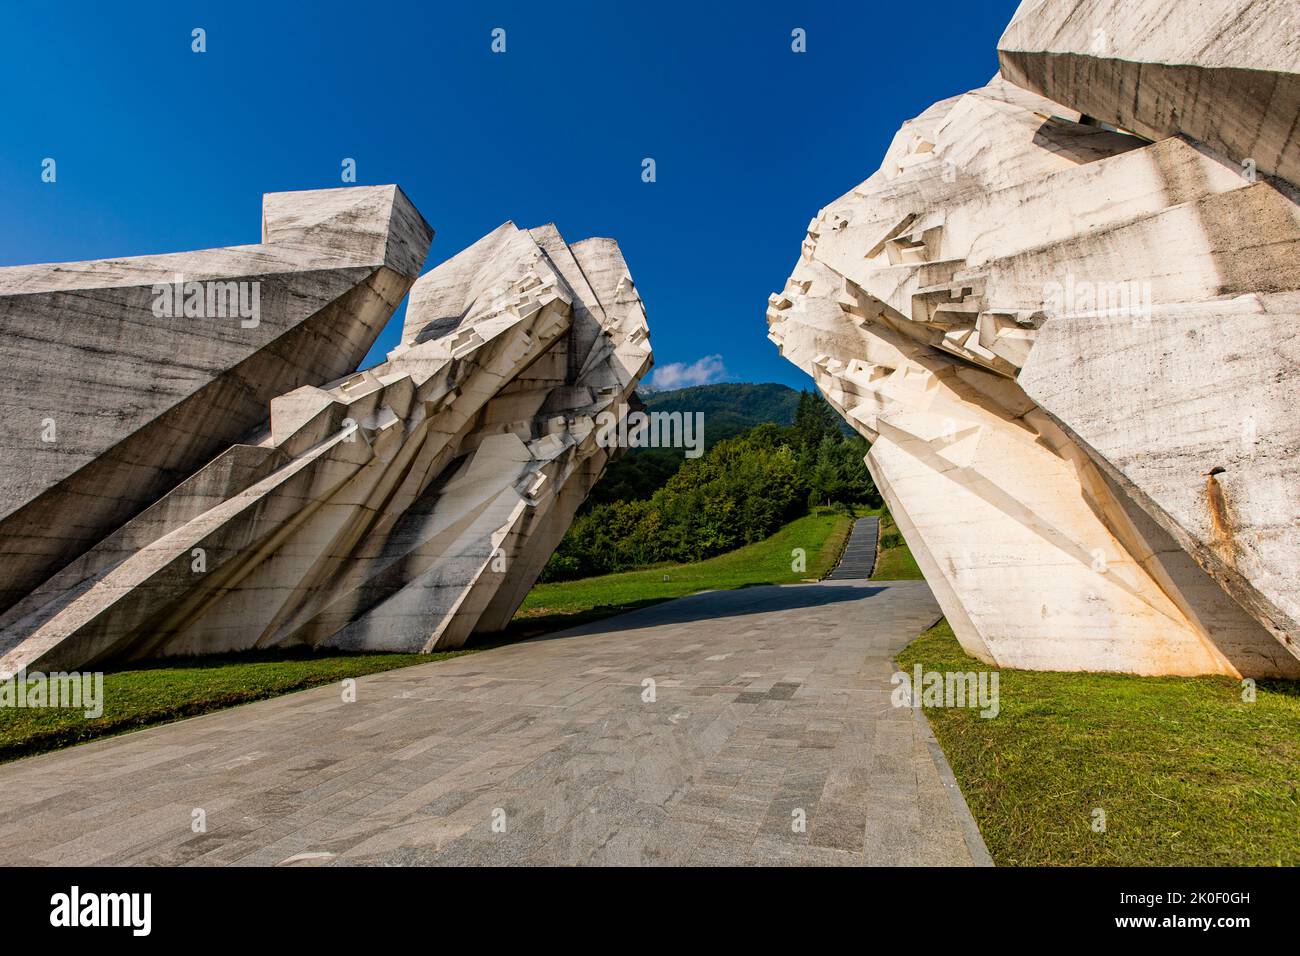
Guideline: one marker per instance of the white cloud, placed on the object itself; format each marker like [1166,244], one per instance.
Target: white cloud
[704,371]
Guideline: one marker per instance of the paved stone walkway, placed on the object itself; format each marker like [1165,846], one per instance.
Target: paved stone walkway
[770,702]
[859,557]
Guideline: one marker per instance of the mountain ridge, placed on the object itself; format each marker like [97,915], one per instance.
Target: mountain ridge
[730,408]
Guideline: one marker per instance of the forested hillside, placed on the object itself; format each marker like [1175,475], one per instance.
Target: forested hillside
[742,490]
[729,409]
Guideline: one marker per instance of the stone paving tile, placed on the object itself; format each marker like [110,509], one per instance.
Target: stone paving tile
[769,701]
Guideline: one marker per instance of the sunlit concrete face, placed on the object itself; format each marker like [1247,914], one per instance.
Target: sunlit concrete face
[125,376]
[1074,352]
[398,508]
[1224,73]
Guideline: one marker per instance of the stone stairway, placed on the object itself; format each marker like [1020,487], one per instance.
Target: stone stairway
[859,558]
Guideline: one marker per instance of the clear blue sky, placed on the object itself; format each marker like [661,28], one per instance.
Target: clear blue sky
[160,149]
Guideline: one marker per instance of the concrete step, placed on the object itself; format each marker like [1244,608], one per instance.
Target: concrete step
[859,558]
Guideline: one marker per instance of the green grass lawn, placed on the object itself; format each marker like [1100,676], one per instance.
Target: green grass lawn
[156,694]
[821,534]
[1186,771]
[894,562]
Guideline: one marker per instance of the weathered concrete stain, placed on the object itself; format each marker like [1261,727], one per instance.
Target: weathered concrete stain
[1224,542]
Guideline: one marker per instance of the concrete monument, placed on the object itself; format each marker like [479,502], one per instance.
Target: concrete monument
[402,507]
[1069,328]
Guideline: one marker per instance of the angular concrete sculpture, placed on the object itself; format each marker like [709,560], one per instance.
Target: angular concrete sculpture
[398,508]
[123,376]
[1223,73]
[1076,354]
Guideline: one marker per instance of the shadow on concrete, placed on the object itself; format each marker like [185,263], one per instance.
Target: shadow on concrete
[710,605]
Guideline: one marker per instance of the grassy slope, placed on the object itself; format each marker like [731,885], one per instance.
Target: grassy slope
[157,694]
[1185,770]
[564,603]
[894,562]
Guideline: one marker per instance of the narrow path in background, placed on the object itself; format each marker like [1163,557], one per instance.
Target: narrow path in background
[731,727]
[859,558]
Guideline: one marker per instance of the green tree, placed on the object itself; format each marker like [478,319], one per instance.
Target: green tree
[814,419]
[742,490]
